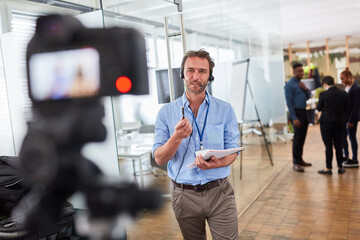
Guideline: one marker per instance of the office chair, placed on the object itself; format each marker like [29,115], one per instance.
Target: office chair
[154,165]
[251,129]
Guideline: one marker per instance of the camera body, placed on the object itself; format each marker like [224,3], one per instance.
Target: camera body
[66,61]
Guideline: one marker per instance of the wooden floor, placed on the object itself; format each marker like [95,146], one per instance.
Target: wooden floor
[274,202]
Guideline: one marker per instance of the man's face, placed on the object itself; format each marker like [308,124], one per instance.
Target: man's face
[196,73]
[299,72]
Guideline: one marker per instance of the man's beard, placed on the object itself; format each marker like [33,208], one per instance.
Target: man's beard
[192,90]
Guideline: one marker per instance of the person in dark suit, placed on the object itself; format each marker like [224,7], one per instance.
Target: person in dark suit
[332,104]
[351,118]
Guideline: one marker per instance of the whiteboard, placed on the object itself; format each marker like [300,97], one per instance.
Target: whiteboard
[237,87]
[221,85]
[264,79]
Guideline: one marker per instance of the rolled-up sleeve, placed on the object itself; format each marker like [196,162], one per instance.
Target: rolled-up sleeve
[162,133]
[231,130]
[289,96]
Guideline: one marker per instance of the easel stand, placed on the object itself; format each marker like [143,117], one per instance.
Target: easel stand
[252,129]
[247,86]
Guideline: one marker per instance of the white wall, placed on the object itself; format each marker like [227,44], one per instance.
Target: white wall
[14,92]
[6,134]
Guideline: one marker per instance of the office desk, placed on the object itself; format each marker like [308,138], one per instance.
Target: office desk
[138,147]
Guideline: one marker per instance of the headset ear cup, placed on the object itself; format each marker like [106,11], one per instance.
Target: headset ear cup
[182,75]
[211,78]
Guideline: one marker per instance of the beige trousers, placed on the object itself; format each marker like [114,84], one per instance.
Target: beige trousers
[217,206]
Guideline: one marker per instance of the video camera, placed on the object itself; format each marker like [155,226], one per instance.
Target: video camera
[109,61]
[69,68]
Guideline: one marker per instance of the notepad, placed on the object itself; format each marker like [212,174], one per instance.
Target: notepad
[207,153]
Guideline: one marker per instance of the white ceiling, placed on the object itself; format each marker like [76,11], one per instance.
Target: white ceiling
[296,21]
[316,20]
[300,20]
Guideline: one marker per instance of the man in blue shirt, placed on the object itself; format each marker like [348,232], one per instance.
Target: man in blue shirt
[193,122]
[296,94]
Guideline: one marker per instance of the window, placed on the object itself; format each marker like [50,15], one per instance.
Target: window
[23,28]
[150,52]
[5,124]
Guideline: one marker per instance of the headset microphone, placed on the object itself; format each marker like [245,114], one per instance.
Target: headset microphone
[205,85]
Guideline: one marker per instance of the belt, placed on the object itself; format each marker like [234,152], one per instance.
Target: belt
[199,188]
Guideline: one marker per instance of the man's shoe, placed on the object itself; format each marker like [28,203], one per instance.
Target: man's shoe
[305,164]
[341,170]
[326,172]
[351,164]
[345,159]
[298,168]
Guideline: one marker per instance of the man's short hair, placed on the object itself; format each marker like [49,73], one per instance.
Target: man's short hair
[201,54]
[295,65]
[329,80]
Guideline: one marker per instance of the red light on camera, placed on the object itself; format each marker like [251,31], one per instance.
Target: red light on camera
[123,84]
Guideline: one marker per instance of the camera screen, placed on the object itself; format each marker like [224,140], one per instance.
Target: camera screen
[64,74]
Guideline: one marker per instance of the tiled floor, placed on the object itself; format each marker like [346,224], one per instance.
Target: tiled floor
[274,202]
[306,205]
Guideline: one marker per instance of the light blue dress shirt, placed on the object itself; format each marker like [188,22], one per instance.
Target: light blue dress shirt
[221,132]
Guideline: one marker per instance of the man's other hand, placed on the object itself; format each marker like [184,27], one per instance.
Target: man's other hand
[297,123]
[302,86]
[202,164]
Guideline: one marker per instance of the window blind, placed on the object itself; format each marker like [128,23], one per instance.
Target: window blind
[23,28]
[5,124]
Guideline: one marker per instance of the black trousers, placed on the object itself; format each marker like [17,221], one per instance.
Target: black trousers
[299,135]
[352,136]
[331,134]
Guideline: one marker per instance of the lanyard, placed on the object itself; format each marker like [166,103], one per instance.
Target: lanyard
[197,127]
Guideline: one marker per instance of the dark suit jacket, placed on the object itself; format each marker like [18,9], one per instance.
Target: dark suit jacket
[332,103]
[352,110]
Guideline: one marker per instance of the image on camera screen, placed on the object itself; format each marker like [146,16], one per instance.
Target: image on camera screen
[64,74]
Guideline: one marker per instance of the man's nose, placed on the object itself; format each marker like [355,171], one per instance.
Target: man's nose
[196,75]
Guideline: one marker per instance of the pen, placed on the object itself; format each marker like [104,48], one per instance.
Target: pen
[183,112]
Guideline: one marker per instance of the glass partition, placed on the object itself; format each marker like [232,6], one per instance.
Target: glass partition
[148,18]
[18,25]
[230,30]
[233,31]
[6,133]
[132,112]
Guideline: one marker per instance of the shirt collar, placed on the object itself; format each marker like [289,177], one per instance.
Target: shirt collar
[296,79]
[184,99]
